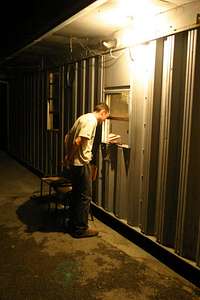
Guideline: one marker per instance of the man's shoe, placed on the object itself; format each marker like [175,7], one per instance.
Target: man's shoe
[84,233]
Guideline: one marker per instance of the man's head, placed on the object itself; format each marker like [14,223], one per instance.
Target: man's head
[102,112]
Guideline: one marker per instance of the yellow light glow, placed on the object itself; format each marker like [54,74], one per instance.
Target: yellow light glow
[139,31]
[138,19]
[137,8]
[127,10]
[114,17]
[146,25]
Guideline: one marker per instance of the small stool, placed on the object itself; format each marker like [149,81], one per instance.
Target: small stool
[52,182]
[64,190]
[63,194]
[61,186]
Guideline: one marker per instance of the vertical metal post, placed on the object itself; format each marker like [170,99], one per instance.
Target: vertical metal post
[34,119]
[75,98]
[91,82]
[83,71]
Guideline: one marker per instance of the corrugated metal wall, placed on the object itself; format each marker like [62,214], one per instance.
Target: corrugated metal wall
[30,141]
[153,184]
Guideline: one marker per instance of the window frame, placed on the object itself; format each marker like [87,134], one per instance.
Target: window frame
[106,125]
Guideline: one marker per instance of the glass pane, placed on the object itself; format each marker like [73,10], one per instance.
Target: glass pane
[119,104]
[118,124]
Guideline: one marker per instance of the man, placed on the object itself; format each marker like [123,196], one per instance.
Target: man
[78,145]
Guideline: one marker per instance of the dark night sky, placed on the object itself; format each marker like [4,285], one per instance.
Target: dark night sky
[21,22]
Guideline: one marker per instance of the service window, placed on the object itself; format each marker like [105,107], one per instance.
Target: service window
[116,128]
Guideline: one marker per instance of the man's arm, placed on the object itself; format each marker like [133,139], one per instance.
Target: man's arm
[79,141]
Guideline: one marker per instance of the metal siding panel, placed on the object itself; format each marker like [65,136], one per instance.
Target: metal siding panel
[98,71]
[125,156]
[19,113]
[98,80]
[198,247]
[108,174]
[185,153]
[62,117]
[169,175]
[37,138]
[121,197]
[58,137]
[87,86]
[24,120]
[192,204]
[136,130]
[111,179]
[50,146]
[148,202]
[118,196]
[46,149]
[40,123]
[29,119]
[116,69]
[104,195]
[105,184]
[46,154]
[91,81]
[83,81]
[55,161]
[81,87]
[174,147]
[164,135]
[34,120]
[75,98]
[99,186]
[8,117]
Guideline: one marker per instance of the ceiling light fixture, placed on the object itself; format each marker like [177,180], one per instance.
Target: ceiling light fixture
[110,44]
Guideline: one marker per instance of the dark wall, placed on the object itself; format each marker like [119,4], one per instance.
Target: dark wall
[3,116]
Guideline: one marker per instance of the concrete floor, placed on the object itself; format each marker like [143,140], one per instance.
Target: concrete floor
[39,261]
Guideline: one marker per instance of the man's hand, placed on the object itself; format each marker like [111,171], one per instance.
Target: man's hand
[66,162]
[93,172]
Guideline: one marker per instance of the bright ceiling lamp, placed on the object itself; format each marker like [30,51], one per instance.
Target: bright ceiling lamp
[110,44]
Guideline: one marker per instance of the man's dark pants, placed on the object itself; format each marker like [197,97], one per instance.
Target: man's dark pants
[81,197]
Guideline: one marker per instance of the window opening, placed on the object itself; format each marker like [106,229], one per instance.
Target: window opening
[53,101]
[116,128]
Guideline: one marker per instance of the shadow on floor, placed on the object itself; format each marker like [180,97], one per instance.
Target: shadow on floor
[35,214]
